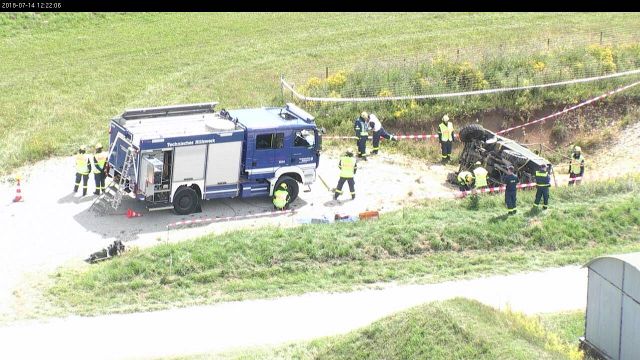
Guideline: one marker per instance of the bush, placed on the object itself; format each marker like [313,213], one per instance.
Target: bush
[559,132]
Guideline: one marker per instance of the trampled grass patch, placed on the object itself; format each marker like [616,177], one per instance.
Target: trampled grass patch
[435,241]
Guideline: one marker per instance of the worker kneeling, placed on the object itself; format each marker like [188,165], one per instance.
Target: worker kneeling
[348,168]
[465,180]
[281,198]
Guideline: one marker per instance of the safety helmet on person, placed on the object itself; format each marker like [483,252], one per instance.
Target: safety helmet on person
[577,149]
[284,186]
[98,146]
[83,148]
[365,115]
[445,118]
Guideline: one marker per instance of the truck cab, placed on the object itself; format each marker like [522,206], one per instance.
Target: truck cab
[188,153]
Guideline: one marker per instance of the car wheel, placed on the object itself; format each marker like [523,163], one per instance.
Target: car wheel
[472,132]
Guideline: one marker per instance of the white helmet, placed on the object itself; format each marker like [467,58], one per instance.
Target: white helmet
[445,117]
[577,149]
[365,115]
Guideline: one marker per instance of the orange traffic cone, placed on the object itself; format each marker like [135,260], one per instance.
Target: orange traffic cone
[131,213]
[18,192]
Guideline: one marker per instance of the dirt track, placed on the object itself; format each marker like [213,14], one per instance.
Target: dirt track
[53,227]
[226,326]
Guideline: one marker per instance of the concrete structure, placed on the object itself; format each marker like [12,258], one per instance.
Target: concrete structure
[612,325]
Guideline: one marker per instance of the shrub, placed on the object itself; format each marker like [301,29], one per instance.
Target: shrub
[337,80]
[559,132]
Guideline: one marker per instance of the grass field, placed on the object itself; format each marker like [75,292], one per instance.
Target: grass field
[65,75]
[433,242]
[454,329]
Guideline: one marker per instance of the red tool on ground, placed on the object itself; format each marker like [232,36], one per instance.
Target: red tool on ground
[131,213]
[18,196]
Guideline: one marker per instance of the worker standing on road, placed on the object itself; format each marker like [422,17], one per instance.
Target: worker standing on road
[281,198]
[83,168]
[378,131]
[576,166]
[99,171]
[480,175]
[348,168]
[511,182]
[543,182]
[465,180]
[362,133]
[445,135]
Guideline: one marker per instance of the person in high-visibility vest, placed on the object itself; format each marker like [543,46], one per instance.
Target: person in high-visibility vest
[348,168]
[576,166]
[511,183]
[281,198]
[378,132]
[445,135]
[362,133]
[465,180]
[543,182]
[480,175]
[99,171]
[83,168]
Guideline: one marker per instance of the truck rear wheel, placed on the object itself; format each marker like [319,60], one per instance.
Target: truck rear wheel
[185,201]
[292,187]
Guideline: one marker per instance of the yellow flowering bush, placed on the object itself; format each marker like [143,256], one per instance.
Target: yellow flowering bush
[605,55]
[538,66]
[337,80]
[314,82]
[534,328]
[385,93]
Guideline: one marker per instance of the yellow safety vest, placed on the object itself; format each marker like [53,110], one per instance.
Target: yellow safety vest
[101,160]
[481,177]
[280,198]
[462,178]
[347,167]
[574,166]
[81,164]
[446,131]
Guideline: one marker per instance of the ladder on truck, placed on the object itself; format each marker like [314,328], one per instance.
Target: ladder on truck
[112,197]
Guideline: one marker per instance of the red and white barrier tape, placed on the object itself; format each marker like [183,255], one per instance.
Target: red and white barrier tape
[587,102]
[501,188]
[411,136]
[212,220]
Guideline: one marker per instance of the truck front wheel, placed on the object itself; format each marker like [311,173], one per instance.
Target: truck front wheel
[292,187]
[185,201]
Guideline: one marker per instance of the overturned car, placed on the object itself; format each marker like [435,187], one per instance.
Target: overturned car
[496,153]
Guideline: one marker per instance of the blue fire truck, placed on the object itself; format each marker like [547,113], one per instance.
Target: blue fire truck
[174,157]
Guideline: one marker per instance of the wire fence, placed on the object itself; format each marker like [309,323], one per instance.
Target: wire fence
[532,63]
